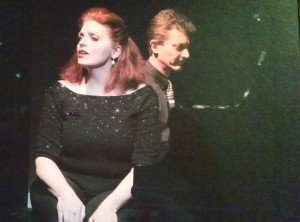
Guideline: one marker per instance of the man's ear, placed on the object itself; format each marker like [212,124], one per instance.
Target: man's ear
[154,46]
[116,52]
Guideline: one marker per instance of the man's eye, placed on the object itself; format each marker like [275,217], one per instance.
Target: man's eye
[180,48]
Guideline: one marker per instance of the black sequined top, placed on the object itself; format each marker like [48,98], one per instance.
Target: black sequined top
[97,139]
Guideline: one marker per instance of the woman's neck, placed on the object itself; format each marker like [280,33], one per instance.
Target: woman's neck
[95,82]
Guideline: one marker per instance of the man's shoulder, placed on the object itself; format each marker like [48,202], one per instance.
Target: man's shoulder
[152,76]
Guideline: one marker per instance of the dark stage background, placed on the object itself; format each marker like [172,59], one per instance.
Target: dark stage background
[237,123]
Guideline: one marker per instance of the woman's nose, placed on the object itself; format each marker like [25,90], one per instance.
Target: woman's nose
[81,42]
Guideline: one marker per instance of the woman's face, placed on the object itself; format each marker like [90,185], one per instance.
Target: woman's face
[95,47]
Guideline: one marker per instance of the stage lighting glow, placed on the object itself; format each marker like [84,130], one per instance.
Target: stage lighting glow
[18,75]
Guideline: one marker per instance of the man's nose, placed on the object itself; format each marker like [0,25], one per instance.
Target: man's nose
[185,53]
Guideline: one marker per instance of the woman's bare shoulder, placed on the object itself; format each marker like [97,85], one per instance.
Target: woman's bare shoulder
[140,86]
[75,87]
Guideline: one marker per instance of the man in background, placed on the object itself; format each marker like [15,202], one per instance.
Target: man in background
[187,175]
[168,37]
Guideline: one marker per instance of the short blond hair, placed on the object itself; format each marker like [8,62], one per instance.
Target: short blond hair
[166,20]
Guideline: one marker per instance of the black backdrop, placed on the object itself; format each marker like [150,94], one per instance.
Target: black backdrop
[254,137]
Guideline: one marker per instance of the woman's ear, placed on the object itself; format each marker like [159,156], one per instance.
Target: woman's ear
[116,52]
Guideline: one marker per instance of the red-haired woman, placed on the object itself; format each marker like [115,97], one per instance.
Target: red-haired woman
[97,122]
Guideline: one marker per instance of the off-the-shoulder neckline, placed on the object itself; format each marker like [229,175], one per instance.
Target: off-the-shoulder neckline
[104,96]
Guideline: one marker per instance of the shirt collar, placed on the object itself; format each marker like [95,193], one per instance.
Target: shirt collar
[157,76]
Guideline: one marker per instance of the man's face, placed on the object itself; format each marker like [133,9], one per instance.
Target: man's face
[172,53]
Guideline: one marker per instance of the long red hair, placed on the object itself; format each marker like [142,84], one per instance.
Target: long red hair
[126,73]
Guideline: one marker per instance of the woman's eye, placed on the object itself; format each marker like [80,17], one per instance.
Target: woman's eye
[94,37]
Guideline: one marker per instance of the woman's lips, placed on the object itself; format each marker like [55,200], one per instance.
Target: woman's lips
[81,53]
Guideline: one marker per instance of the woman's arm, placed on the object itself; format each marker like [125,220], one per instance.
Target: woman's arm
[49,172]
[109,207]
[122,193]
[69,206]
